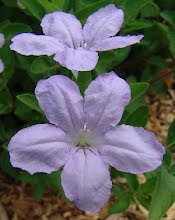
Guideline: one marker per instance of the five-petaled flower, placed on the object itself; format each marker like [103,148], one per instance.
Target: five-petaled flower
[2,40]
[83,138]
[75,47]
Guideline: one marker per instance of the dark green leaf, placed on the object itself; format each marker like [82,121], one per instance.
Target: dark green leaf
[84,78]
[121,204]
[169,17]
[137,25]
[12,29]
[168,159]
[44,64]
[131,8]
[163,196]
[132,180]
[48,6]
[137,90]
[139,117]
[31,101]
[170,141]
[34,8]
[85,12]
[5,102]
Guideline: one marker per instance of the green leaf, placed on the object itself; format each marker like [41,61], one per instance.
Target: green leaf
[137,90]
[31,101]
[132,180]
[84,79]
[34,8]
[169,17]
[10,3]
[44,64]
[5,102]
[131,8]
[170,141]
[120,55]
[170,36]
[12,29]
[121,204]
[137,25]
[150,10]
[163,196]
[168,159]
[59,4]
[85,12]
[105,62]
[48,6]
[139,117]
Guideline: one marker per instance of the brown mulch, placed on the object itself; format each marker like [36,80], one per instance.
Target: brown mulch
[17,202]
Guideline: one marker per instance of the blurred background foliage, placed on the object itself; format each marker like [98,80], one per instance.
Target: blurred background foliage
[147,66]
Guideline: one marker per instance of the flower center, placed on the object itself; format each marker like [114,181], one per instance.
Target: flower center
[83,138]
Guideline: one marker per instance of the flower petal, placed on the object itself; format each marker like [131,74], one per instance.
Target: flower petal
[2,40]
[64,27]
[31,44]
[86,181]
[104,23]
[39,148]
[116,42]
[79,59]
[60,99]
[105,100]
[1,66]
[132,149]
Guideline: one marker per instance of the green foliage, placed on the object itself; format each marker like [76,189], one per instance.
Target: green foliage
[86,11]
[170,141]
[163,196]
[139,117]
[31,101]
[34,7]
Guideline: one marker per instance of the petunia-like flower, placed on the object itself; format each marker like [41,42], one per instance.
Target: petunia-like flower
[83,138]
[75,47]
[2,40]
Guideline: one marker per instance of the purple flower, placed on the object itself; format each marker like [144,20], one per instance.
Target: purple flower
[83,138]
[75,48]
[2,40]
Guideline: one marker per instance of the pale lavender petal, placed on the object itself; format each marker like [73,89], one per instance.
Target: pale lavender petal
[86,181]
[104,23]
[60,99]
[132,149]
[64,27]
[116,42]
[105,100]
[2,40]
[39,148]
[31,44]
[1,66]
[79,59]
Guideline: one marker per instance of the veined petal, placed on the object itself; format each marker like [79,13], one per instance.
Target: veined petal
[132,149]
[39,148]
[64,27]
[79,59]
[60,99]
[105,100]
[104,23]
[31,44]
[2,40]
[1,66]
[86,180]
[116,42]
